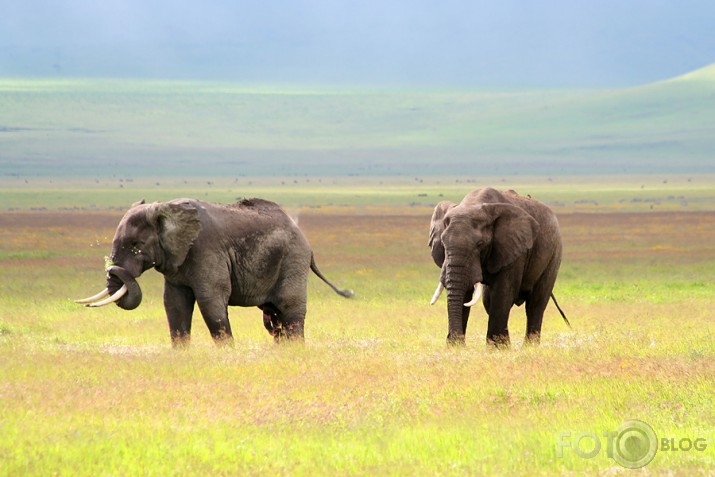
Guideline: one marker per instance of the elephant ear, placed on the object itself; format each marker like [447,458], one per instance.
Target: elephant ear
[514,234]
[178,226]
[436,229]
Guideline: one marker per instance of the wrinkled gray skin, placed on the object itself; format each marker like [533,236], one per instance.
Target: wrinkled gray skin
[509,243]
[246,254]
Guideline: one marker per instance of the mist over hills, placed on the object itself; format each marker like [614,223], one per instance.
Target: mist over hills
[400,42]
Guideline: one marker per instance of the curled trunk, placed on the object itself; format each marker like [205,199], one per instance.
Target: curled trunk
[118,277]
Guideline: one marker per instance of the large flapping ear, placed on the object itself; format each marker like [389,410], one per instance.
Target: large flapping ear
[436,229]
[514,233]
[178,226]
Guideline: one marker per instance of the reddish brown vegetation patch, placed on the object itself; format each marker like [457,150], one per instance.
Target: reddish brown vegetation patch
[398,239]
[685,236]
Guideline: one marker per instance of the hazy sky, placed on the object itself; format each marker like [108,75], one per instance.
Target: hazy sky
[446,42]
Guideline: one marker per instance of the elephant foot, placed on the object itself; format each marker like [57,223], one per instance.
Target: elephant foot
[499,341]
[290,332]
[223,339]
[180,341]
[532,339]
[454,339]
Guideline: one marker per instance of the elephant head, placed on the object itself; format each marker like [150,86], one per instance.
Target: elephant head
[157,235]
[469,240]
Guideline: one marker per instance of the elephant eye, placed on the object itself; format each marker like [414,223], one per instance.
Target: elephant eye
[480,243]
[135,247]
[446,222]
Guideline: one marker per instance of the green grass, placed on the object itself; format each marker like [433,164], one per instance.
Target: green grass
[654,192]
[132,128]
[374,390]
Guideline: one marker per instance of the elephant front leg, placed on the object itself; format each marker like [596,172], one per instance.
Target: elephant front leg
[215,313]
[498,307]
[179,305]
[499,299]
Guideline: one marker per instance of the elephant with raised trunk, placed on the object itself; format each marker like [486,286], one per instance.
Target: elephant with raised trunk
[502,245]
[246,254]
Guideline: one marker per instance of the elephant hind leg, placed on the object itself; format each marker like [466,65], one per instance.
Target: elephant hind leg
[290,324]
[538,299]
[535,307]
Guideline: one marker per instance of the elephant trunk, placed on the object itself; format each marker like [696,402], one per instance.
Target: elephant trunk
[456,284]
[462,272]
[455,309]
[117,278]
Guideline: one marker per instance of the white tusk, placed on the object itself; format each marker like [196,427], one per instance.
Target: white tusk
[120,293]
[96,297]
[437,293]
[477,294]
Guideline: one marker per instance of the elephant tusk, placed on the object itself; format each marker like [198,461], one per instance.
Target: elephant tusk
[120,293]
[477,294]
[437,293]
[96,297]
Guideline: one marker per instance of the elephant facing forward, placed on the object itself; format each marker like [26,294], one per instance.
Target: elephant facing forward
[501,244]
[246,254]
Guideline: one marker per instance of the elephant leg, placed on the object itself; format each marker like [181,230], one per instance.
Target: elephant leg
[215,313]
[293,327]
[535,306]
[498,305]
[538,300]
[179,305]
[290,303]
[292,323]
[498,332]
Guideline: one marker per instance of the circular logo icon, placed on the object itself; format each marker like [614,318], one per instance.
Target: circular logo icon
[635,444]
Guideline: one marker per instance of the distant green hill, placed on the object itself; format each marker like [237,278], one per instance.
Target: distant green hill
[160,128]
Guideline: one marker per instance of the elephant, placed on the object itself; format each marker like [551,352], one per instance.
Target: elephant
[502,245]
[250,253]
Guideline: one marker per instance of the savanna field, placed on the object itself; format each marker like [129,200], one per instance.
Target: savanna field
[374,390]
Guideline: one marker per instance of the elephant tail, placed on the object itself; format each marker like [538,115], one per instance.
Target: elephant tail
[560,310]
[314,267]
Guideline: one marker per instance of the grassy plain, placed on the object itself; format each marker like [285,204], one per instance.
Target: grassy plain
[374,390]
[132,129]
